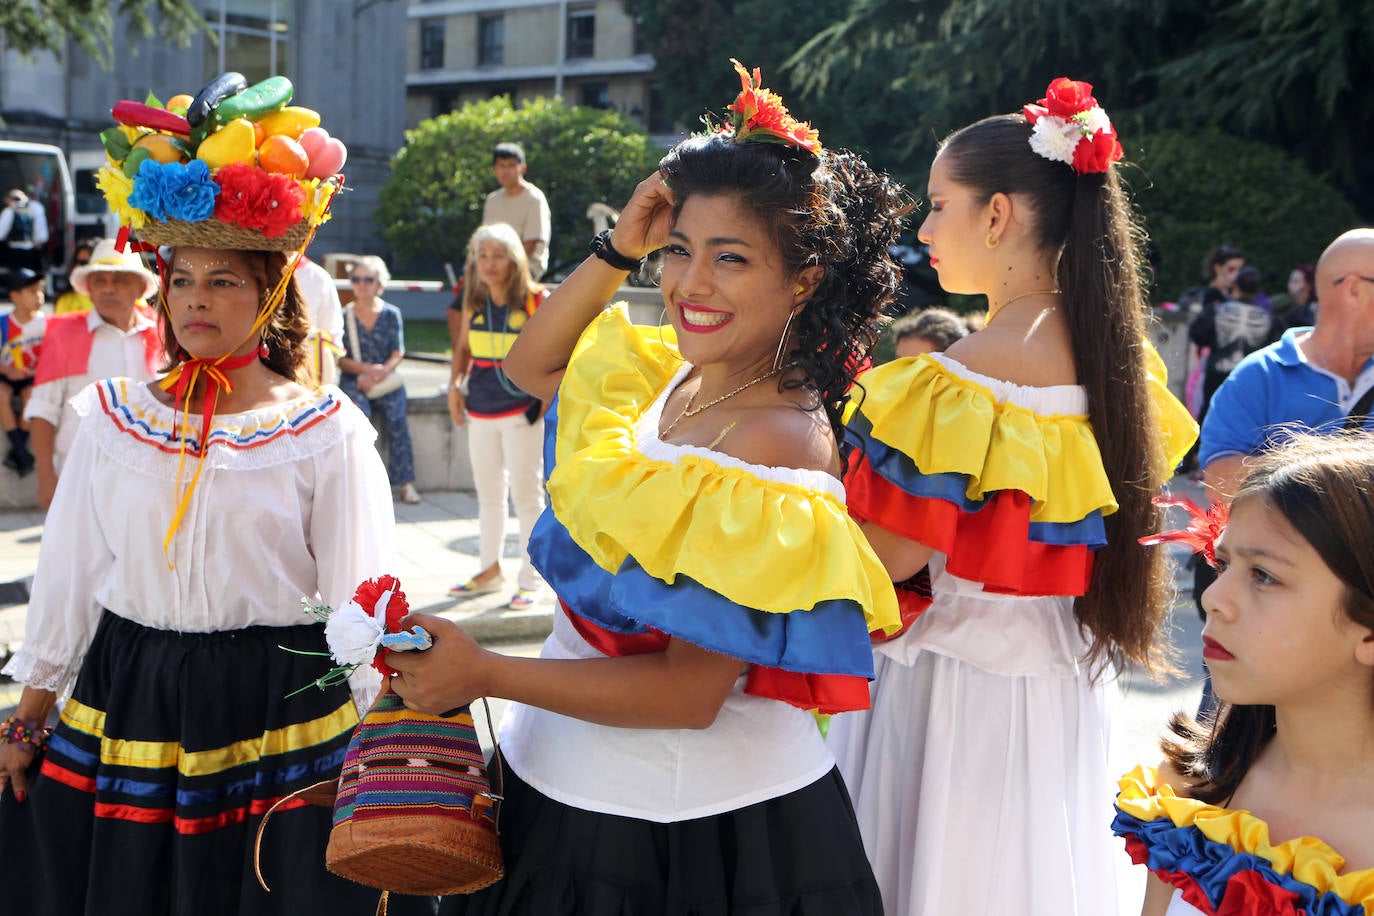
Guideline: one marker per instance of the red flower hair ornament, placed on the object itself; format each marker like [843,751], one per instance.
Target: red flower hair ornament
[364,629]
[1204,527]
[758,114]
[1070,127]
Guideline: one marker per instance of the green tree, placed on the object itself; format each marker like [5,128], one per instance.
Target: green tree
[439,179]
[1197,188]
[45,25]
[693,40]
[1288,72]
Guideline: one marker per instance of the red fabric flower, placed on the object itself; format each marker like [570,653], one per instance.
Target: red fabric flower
[1203,527]
[1096,153]
[367,596]
[257,199]
[1065,97]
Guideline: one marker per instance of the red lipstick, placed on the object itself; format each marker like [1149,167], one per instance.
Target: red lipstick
[1214,650]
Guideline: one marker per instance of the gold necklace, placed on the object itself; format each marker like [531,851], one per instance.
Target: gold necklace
[995,311]
[689,411]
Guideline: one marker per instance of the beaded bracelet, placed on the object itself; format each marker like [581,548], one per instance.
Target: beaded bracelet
[15,730]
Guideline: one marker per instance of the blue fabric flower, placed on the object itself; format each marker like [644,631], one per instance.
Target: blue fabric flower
[173,190]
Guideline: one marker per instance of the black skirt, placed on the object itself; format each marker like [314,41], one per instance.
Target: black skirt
[796,855]
[166,757]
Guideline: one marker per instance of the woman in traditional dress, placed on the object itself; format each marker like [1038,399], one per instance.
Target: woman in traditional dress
[1016,469]
[661,756]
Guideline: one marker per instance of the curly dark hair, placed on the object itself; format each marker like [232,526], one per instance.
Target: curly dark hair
[830,211]
[284,334]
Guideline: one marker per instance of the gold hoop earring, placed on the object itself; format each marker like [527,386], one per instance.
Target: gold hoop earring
[992,241]
[782,342]
[662,320]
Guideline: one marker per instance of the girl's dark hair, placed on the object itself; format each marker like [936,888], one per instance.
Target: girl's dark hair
[1087,219]
[1216,256]
[831,211]
[1323,486]
[284,333]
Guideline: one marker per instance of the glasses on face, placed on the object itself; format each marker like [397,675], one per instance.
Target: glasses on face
[81,263]
[358,278]
[1353,274]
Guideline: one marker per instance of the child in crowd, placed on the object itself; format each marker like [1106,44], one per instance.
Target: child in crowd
[1231,822]
[21,335]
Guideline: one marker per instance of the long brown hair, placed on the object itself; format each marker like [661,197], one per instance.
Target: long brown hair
[285,331]
[1323,486]
[517,291]
[1087,219]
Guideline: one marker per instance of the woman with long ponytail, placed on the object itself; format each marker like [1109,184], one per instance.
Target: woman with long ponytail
[1018,469]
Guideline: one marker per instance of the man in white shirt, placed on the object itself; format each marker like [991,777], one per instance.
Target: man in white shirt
[23,231]
[520,205]
[324,345]
[117,337]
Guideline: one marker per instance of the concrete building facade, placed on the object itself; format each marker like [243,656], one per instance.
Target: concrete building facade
[346,58]
[587,51]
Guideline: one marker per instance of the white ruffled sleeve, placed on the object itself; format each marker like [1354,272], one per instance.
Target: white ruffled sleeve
[73,559]
[352,525]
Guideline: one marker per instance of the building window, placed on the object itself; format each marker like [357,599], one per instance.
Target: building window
[491,39]
[594,95]
[641,44]
[509,90]
[581,32]
[254,36]
[431,44]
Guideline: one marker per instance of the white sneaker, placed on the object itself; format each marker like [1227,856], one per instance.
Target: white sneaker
[409,495]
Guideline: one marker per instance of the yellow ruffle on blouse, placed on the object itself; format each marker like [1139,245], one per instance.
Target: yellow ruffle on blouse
[1307,859]
[948,424]
[763,544]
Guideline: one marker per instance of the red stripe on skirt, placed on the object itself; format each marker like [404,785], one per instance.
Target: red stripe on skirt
[67,777]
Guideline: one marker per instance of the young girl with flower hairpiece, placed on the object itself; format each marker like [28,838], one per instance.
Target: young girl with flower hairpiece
[1018,467]
[661,756]
[1265,808]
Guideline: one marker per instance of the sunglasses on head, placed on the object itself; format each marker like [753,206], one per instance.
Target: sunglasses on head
[359,278]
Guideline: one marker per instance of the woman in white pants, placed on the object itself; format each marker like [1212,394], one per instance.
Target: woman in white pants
[505,425]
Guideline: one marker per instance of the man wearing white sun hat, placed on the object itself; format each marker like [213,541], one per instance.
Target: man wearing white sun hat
[117,337]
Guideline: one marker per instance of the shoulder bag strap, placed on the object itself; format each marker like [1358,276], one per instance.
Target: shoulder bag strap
[1355,419]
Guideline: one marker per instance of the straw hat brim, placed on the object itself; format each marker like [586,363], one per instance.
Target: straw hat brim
[80,278]
[213,233]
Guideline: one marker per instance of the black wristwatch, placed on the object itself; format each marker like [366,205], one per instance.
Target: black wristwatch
[601,246]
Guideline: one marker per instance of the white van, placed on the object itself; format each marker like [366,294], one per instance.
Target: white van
[40,171]
[93,216]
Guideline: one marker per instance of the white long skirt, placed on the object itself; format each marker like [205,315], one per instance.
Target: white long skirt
[980,792]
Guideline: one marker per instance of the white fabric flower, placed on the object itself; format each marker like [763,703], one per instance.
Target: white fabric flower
[353,634]
[1093,120]
[1055,139]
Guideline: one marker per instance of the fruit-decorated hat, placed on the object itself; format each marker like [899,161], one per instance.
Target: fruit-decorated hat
[234,167]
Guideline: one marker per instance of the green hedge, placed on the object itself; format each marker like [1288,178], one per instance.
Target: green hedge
[576,156]
[1198,188]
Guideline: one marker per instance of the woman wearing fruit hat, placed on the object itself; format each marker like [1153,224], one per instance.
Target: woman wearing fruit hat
[1017,468]
[192,516]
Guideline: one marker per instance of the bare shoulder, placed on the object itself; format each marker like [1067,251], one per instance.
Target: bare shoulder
[783,436]
[1037,355]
